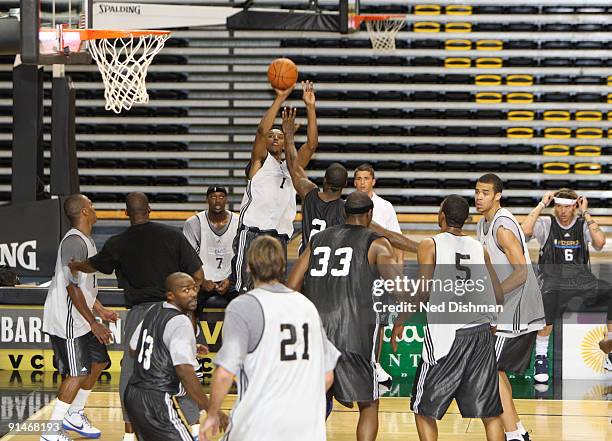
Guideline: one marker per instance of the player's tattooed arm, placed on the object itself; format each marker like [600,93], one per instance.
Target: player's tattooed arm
[259,150]
[397,240]
[300,180]
[312,135]
[296,278]
[83,267]
[529,222]
[598,237]
[513,250]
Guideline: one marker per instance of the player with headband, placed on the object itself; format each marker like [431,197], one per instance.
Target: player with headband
[567,279]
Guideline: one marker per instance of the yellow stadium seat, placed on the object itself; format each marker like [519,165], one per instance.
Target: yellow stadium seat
[458,10]
[556,150]
[556,168]
[519,97]
[587,150]
[488,80]
[587,168]
[458,27]
[489,63]
[521,115]
[557,115]
[426,26]
[609,99]
[519,80]
[490,45]
[557,132]
[458,45]
[458,63]
[610,115]
[609,80]
[519,132]
[489,97]
[427,9]
[589,115]
[589,133]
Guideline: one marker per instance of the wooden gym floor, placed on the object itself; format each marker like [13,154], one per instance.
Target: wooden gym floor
[547,420]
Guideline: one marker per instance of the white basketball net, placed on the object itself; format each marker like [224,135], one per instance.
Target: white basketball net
[382,32]
[123,63]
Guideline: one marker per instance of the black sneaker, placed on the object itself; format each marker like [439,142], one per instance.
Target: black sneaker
[541,369]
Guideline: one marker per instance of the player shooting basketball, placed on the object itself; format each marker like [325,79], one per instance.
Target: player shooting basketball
[268,206]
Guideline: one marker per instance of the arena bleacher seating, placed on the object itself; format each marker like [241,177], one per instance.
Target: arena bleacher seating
[522,90]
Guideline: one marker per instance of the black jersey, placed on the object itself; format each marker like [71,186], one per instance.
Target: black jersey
[153,367]
[339,282]
[564,258]
[318,215]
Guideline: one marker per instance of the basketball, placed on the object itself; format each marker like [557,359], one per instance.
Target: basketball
[282,73]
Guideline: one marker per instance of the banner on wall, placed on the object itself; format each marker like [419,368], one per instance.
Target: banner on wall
[24,347]
[582,358]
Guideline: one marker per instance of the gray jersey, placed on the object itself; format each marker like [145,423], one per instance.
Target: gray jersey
[523,309]
[281,377]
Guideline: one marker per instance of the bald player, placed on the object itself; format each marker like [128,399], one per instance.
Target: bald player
[78,340]
[320,209]
[164,346]
[337,271]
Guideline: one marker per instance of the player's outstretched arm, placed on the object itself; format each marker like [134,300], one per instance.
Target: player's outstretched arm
[189,379]
[397,240]
[529,222]
[312,134]
[300,180]
[259,151]
[512,248]
[296,278]
[221,383]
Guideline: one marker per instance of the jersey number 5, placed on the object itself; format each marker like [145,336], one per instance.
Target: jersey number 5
[287,353]
[323,261]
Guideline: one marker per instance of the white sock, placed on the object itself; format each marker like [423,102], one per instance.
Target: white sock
[195,430]
[59,411]
[542,345]
[129,437]
[78,404]
[521,428]
[514,436]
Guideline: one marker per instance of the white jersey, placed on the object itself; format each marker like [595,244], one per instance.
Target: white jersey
[460,279]
[60,316]
[281,384]
[523,309]
[269,200]
[216,250]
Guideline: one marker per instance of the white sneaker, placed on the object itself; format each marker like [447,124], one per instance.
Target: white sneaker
[55,436]
[79,423]
[381,375]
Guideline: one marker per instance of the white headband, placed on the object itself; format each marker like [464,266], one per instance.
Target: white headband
[564,201]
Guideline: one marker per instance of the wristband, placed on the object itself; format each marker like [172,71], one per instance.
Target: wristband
[591,222]
[584,213]
[542,204]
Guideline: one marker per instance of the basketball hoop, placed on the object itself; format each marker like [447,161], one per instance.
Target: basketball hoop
[123,58]
[382,29]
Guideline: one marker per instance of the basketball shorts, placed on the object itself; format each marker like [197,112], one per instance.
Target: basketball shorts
[244,237]
[468,374]
[354,379]
[154,416]
[74,356]
[513,354]
[557,300]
